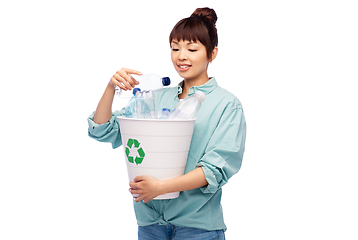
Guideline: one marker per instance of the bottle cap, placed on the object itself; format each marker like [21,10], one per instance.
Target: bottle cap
[166,81]
[200,95]
[135,90]
[166,110]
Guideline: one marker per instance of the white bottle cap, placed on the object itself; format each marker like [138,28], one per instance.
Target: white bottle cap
[200,95]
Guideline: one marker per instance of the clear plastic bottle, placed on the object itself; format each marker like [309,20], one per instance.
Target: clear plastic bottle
[145,105]
[151,81]
[164,113]
[146,82]
[189,107]
[121,93]
[130,109]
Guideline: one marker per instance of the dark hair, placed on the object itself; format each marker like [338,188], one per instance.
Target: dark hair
[200,26]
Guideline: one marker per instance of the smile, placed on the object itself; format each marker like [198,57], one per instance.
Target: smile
[183,67]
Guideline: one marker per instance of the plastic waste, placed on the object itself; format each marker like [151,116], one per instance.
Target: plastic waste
[151,81]
[146,82]
[130,109]
[164,114]
[189,107]
[145,105]
[121,93]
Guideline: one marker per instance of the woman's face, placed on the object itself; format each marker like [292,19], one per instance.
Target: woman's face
[189,59]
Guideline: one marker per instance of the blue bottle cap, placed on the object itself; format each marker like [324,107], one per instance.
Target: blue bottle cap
[135,90]
[166,81]
[166,110]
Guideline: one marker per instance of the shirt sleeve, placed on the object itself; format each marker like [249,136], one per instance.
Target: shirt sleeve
[224,153]
[106,132]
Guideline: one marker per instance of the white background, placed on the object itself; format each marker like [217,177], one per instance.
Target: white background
[293,65]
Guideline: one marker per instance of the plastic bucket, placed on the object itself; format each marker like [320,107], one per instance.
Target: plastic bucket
[156,147]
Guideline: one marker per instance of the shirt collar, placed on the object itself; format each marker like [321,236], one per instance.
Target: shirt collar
[206,88]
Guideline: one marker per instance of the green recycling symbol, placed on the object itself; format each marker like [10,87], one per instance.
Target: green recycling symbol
[131,145]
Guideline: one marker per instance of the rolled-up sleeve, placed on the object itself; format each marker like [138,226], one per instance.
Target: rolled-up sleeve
[224,153]
[106,132]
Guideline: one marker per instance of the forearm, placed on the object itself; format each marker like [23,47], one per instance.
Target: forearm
[149,187]
[191,180]
[104,109]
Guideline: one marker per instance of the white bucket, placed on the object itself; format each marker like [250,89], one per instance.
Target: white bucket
[156,147]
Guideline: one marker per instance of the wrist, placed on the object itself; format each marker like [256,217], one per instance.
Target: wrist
[111,85]
[164,187]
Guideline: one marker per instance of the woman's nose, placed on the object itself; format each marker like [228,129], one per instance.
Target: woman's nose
[182,56]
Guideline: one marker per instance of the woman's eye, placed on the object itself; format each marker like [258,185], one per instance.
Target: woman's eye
[192,50]
[175,49]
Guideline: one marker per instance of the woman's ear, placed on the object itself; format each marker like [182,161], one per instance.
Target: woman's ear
[214,54]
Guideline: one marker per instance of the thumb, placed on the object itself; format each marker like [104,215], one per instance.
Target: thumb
[138,178]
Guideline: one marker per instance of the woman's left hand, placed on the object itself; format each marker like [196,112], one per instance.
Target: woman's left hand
[147,187]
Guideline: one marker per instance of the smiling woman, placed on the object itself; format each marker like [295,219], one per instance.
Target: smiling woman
[191,62]
[216,148]
[194,42]
[199,27]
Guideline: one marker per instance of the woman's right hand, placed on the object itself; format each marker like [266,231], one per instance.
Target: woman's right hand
[124,80]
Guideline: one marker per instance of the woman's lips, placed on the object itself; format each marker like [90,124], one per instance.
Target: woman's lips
[183,67]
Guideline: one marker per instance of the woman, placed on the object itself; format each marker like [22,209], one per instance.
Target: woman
[217,144]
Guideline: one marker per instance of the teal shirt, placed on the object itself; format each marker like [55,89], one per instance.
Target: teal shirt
[217,145]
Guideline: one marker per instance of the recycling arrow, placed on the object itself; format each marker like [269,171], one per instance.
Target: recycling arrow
[132,145]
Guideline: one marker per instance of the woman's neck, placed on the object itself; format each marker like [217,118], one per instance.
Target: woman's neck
[189,83]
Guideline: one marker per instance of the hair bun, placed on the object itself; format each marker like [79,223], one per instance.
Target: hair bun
[206,13]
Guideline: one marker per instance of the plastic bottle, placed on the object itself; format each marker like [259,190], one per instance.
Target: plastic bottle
[164,114]
[189,107]
[130,109]
[121,93]
[146,82]
[151,81]
[145,105]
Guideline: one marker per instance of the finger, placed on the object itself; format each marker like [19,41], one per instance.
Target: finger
[133,185]
[125,78]
[134,191]
[131,71]
[128,72]
[117,81]
[147,198]
[120,81]
[139,198]
[129,78]
[114,82]
[139,178]
[134,81]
